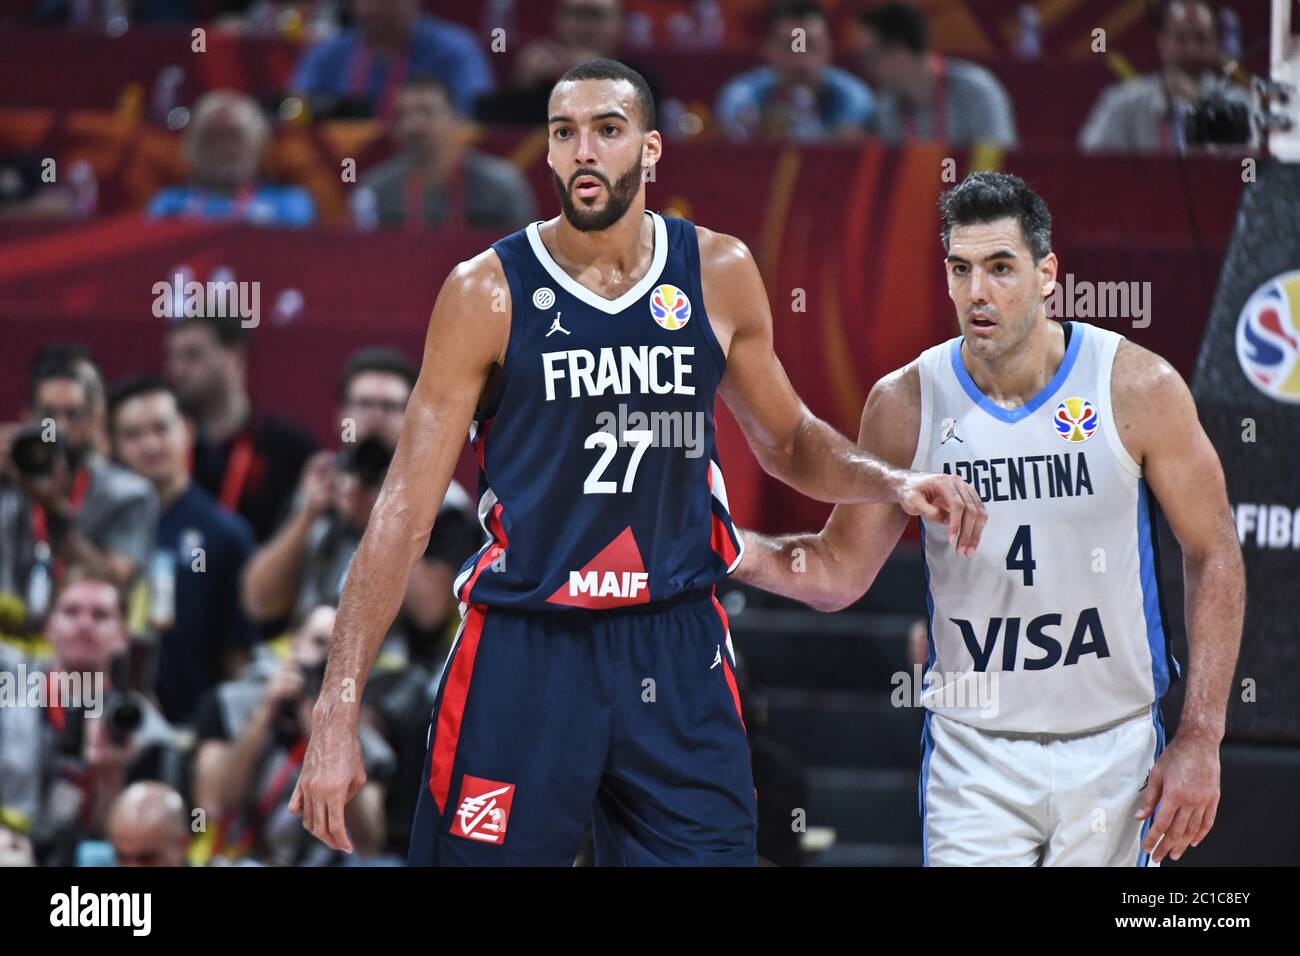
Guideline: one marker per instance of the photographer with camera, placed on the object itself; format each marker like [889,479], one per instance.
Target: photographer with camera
[1188,102]
[252,733]
[81,735]
[61,501]
[305,562]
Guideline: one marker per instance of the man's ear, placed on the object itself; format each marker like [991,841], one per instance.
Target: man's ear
[1047,273]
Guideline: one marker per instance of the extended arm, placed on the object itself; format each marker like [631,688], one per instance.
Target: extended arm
[833,568]
[466,337]
[790,442]
[1158,423]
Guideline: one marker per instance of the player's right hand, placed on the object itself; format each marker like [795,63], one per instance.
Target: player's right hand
[332,773]
[946,499]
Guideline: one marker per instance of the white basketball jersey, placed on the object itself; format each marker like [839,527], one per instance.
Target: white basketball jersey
[1054,625]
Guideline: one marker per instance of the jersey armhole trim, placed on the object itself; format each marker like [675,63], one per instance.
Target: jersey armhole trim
[1105,384]
[926,381]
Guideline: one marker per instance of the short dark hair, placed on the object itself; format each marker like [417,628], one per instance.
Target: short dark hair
[228,331]
[376,358]
[65,360]
[899,24]
[605,69]
[1160,17]
[136,386]
[792,10]
[988,196]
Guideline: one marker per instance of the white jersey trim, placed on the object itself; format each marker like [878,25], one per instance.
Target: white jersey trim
[581,292]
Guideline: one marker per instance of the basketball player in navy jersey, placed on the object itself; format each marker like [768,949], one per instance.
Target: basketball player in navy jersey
[1043,740]
[591,682]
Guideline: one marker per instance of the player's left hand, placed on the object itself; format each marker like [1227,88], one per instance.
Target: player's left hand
[946,499]
[1185,783]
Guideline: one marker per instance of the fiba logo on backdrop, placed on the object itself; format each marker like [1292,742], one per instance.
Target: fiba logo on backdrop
[1268,338]
[1075,419]
[670,307]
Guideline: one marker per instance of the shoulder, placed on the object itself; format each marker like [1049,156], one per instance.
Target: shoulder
[493,169]
[1136,90]
[891,416]
[119,484]
[225,526]
[332,49]
[444,36]
[845,82]
[387,174]
[1149,399]
[721,254]
[974,76]
[755,82]
[478,278]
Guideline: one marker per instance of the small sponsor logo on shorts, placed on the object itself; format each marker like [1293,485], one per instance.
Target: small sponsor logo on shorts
[484,810]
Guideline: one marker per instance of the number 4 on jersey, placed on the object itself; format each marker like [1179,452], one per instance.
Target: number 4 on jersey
[1021,555]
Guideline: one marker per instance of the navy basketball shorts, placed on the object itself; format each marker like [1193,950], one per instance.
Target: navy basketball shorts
[626,720]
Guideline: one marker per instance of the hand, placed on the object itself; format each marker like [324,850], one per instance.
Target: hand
[945,499]
[332,773]
[101,754]
[317,485]
[285,684]
[1185,782]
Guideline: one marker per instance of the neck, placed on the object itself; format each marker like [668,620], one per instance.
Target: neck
[1015,377]
[225,416]
[172,487]
[436,165]
[620,249]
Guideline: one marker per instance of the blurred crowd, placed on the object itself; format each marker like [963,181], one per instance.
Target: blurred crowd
[171,557]
[430,82]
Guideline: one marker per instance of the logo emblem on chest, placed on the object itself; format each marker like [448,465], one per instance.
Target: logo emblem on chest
[670,307]
[1076,420]
[544,298]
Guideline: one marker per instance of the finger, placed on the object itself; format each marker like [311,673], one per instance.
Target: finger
[1194,820]
[308,810]
[969,520]
[1151,796]
[336,827]
[1208,824]
[1175,840]
[295,802]
[955,511]
[981,516]
[1160,826]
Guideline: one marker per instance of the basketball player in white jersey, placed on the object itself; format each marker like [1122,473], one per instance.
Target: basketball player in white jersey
[1048,655]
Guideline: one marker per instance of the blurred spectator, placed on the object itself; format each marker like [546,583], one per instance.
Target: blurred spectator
[306,562]
[798,95]
[359,72]
[252,736]
[148,826]
[224,145]
[61,500]
[1146,113]
[436,177]
[582,30]
[248,460]
[923,95]
[63,764]
[203,634]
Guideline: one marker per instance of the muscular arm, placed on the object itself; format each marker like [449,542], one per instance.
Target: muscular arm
[833,568]
[790,442]
[466,337]
[1157,420]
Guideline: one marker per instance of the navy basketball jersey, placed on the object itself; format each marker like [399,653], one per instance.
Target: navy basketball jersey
[599,482]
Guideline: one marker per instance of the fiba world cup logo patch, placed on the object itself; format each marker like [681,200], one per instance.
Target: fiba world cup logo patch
[1075,419]
[670,307]
[1268,338]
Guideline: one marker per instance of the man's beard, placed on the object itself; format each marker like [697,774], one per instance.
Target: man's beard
[621,193]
